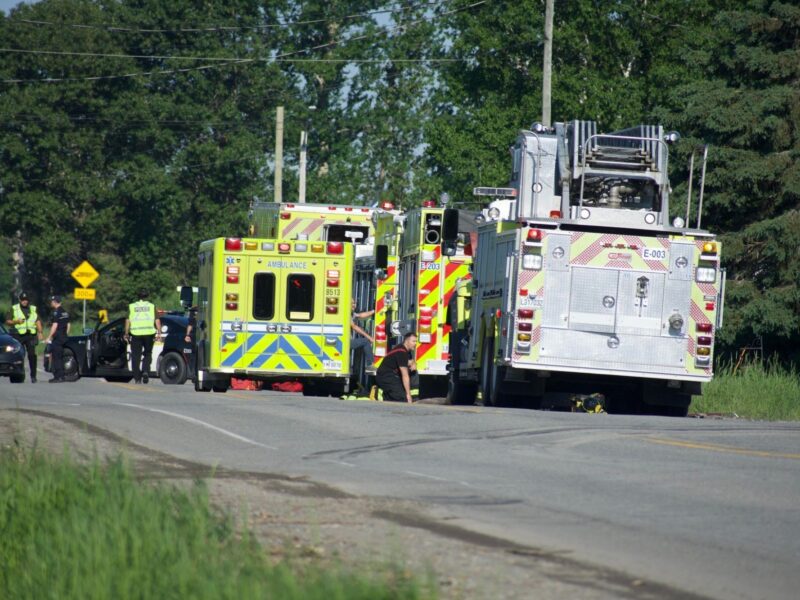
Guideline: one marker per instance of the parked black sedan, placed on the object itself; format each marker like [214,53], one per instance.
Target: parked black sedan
[12,357]
[105,353]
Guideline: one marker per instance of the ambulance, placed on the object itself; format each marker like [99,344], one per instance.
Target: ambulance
[274,310]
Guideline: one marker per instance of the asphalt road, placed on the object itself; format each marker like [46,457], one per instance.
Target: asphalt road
[705,507]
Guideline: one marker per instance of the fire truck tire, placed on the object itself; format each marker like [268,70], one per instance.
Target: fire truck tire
[487,368]
[220,387]
[172,369]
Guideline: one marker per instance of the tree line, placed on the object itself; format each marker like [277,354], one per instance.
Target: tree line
[133,129]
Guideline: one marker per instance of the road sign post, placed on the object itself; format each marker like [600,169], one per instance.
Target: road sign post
[85,274]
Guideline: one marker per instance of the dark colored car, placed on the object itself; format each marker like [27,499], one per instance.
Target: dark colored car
[12,357]
[105,353]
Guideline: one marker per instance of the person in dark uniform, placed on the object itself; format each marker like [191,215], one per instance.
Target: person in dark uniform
[191,333]
[26,327]
[393,376]
[59,330]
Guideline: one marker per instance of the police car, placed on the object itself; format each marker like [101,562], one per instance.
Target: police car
[105,353]
[12,354]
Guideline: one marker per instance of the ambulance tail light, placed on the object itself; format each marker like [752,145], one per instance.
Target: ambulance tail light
[231,306]
[426,311]
[380,336]
[425,338]
[231,297]
[704,351]
[232,270]
[525,326]
[525,313]
[333,282]
[335,248]
[332,301]
[233,244]
[425,320]
[284,248]
[524,337]
[704,340]
[705,327]
[331,310]
[232,279]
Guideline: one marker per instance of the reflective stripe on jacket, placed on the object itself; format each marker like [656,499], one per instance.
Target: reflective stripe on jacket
[142,316]
[29,326]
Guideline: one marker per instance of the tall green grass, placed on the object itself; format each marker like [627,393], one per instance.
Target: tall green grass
[755,391]
[70,531]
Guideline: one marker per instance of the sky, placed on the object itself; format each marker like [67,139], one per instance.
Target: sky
[6,5]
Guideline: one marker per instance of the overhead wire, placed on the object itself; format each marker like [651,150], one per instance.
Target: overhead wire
[225,28]
[220,61]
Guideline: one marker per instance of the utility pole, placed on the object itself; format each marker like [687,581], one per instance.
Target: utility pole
[547,68]
[303,148]
[279,155]
[303,156]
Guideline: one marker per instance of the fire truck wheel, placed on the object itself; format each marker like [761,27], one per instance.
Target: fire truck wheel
[172,369]
[487,364]
[221,387]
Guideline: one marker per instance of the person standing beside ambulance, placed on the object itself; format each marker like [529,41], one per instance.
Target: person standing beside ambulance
[26,328]
[142,328]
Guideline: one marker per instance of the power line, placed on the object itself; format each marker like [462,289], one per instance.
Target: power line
[283,57]
[225,28]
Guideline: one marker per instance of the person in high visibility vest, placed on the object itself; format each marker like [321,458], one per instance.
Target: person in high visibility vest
[142,328]
[26,328]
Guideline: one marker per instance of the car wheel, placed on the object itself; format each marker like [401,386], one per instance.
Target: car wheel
[172,369]
[71,371]
[17,378]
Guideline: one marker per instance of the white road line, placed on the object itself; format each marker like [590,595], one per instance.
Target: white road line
[339,462]
[235,436]
[426,476]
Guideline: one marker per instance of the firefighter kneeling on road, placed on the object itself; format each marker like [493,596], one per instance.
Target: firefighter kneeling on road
[393,377]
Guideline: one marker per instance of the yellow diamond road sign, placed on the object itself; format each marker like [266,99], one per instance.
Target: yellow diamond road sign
[85,293]
[85,274]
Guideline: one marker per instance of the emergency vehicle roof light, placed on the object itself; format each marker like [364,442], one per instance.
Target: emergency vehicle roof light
[335,248]
[290,206]
[710,248]
[233,243]
[387,205]
[555,214]
[429,203]
[285,215]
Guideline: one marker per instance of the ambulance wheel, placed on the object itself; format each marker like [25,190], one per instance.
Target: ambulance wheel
[172,369]
[487,369]
[220,387]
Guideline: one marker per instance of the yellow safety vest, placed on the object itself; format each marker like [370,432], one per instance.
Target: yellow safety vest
[29,326]
[142,315]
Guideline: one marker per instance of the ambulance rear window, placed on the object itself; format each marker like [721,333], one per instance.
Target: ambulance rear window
[300,297]
[338,233]
[264,296]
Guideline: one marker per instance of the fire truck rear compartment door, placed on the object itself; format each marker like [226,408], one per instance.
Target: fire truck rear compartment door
[593,300]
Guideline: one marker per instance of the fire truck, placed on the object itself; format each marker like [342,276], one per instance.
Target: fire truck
[274,310]
[581,283]
[413,284]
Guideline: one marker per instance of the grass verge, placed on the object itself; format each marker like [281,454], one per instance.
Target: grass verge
[755,391]
[93,531]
